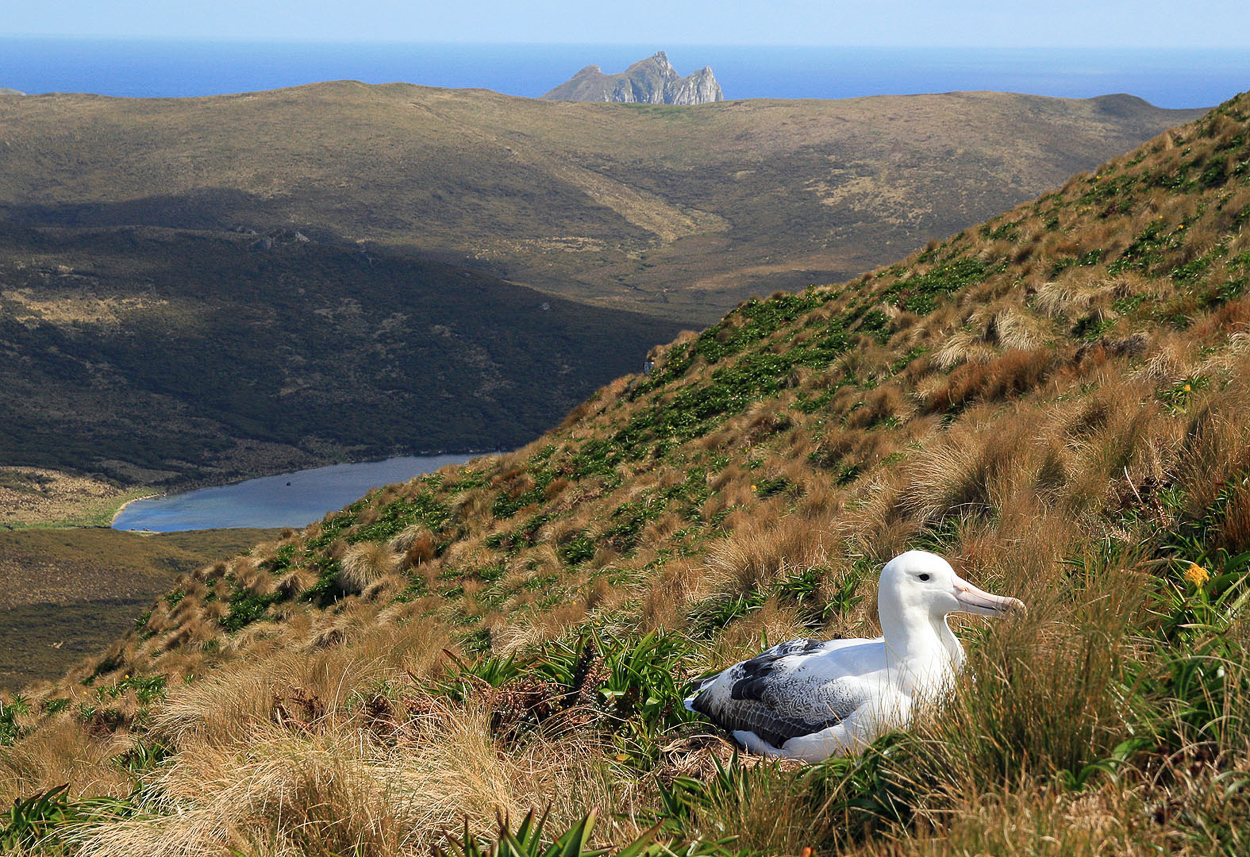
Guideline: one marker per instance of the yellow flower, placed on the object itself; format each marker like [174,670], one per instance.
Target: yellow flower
[1187,388]
[1182,226]
[1196,574]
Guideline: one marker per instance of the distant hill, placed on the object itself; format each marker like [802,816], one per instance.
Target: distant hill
[679,212]
[156,356]
[649,81]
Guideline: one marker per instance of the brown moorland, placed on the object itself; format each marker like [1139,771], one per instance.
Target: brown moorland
[66,594]
[674,211]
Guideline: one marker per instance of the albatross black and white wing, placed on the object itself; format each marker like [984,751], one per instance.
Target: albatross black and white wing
[810,700]
[803,699]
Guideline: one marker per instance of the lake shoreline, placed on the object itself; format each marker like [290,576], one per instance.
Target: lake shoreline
[286,499]
[186,486]
[122,507]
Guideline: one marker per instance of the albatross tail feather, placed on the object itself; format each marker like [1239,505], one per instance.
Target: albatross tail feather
[756,744]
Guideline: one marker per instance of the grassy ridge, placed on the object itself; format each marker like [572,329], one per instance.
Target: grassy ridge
[1056,400]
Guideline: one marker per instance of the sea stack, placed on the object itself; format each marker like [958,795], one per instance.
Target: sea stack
[649,81]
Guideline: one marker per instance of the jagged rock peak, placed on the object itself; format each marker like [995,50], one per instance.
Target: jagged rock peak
[649,81]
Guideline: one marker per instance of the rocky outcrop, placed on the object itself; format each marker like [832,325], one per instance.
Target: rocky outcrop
[649,81]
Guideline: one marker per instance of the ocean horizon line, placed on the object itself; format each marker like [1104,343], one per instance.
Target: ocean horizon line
[182,67]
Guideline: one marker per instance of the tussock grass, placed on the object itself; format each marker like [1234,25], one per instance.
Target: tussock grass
[365,563]
[764,549]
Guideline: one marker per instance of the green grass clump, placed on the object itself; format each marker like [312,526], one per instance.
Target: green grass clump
[35,824]
[422,508]
[919,293]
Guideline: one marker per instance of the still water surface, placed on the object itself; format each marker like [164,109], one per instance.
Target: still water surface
[287,500]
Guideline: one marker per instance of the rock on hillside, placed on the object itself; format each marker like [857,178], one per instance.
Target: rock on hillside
[649,81]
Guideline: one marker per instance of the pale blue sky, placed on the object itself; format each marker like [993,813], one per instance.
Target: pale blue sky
[1008,23]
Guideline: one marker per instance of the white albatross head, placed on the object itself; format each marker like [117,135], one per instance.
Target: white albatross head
[921,582]
[918,590]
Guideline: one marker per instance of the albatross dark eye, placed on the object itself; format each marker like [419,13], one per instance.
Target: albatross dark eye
[924,577]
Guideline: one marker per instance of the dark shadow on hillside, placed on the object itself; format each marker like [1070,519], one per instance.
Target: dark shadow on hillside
[206,208]
[213,340]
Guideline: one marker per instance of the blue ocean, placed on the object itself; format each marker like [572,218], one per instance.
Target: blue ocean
[153,69]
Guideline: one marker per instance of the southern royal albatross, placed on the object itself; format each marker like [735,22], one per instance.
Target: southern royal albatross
[808,699]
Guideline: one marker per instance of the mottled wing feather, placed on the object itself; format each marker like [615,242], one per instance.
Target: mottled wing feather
[755,704]
[752,682]
[760,661]
[756,717]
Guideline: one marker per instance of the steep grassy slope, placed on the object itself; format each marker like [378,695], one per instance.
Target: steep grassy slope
[1056,400]
[674,211]
[155,355]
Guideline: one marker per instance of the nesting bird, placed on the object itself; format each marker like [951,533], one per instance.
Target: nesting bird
[812,699]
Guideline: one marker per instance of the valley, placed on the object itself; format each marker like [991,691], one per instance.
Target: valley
[199,290]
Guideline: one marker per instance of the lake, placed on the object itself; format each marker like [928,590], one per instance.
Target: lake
[286,500]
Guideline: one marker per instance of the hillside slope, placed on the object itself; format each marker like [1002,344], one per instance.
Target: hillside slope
[675,211]
[161,356]
[1056,400]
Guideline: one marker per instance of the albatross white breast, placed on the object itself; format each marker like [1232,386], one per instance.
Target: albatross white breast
[811,699]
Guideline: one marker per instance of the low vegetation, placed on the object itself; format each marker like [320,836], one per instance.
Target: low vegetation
[1056,400]
[66,594]
[158,358]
